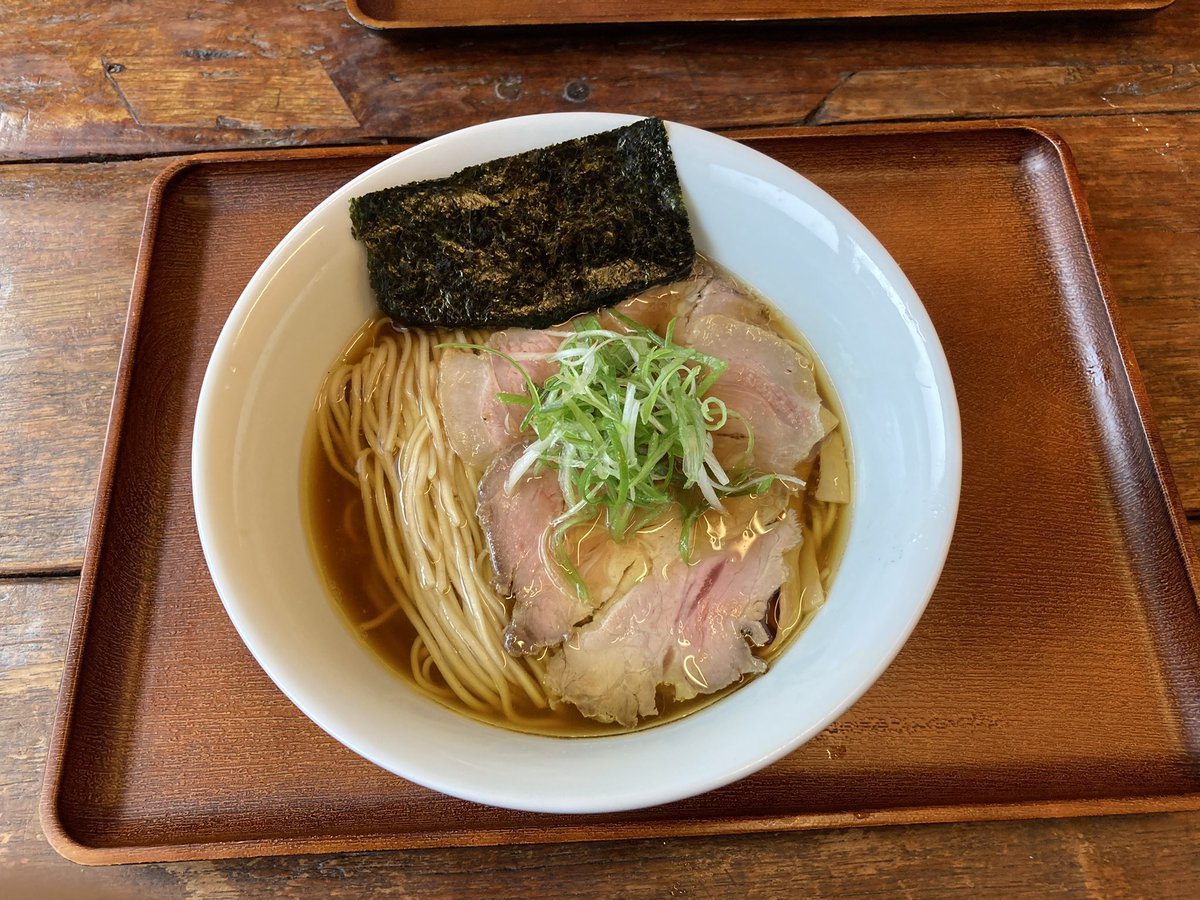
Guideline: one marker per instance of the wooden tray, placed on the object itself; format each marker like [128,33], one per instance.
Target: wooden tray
[1056,671]
[439,13]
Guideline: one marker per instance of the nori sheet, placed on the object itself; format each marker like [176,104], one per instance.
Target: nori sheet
[531,239]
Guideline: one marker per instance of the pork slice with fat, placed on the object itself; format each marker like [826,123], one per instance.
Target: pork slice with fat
[770,384]
[478,426]
[722,297]
[531,348]
[685,626]
[545,607]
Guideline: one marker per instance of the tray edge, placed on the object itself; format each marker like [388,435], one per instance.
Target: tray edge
[91,855]
[56,833]
[1133,8]
[1164,475]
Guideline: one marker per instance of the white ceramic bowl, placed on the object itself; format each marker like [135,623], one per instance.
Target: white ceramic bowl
[769,226]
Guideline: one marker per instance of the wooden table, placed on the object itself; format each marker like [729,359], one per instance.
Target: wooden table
[93,96]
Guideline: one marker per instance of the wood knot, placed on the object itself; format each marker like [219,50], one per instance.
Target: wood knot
[509,87]
[577,90]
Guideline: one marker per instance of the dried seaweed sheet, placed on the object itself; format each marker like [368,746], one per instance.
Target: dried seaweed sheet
[530,239]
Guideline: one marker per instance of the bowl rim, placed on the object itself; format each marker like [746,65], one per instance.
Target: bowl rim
[689,784]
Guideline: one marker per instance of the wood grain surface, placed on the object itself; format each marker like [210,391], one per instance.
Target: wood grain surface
[232,92]
[70,237]
[1121,92]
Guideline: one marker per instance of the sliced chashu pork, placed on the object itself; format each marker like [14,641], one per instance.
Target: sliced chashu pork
[720,296]
[545,607]
[701,294]
[478,424]
[610,568]
[768,382]
[516,525]
[686,626]
[656,306]
[531,349]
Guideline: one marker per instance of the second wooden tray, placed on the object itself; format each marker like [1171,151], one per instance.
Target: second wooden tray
[440,13]
[1056,671]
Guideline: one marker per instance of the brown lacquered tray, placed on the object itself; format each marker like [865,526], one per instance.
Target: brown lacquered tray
[1056,671]
[454,13]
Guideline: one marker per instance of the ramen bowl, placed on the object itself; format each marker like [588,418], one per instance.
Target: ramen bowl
[759,220]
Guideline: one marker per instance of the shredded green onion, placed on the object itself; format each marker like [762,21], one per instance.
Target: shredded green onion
[625,423]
